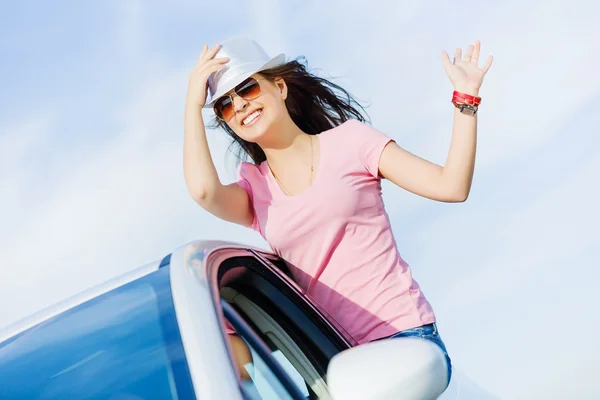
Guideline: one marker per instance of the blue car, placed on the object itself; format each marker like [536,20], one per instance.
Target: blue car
[160,332]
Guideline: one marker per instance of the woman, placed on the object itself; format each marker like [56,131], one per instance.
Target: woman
[312,188]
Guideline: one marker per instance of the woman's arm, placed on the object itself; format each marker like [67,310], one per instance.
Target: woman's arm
[228,202]
[452,182]
[241,354]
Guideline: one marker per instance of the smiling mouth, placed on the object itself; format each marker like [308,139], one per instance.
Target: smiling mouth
[252,118]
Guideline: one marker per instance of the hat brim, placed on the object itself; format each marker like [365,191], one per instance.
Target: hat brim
[273,62]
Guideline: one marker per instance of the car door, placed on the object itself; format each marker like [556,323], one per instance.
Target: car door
[270,311]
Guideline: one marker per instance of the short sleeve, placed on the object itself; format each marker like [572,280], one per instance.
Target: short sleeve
[368,142]
[243,180]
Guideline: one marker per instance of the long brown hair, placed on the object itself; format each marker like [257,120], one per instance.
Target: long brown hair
[314,104]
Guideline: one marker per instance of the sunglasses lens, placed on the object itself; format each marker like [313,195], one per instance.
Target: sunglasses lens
[249,89]
[224,108]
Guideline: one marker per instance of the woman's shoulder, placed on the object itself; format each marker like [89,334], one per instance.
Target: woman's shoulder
[250,171]
[348,124]
[351,126]
[353,132]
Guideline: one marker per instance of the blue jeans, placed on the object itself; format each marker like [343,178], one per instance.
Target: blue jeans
[427,332]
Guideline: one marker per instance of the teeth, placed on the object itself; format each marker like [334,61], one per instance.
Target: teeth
[251,117]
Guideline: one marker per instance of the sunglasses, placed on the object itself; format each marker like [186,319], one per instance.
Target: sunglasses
[247,90]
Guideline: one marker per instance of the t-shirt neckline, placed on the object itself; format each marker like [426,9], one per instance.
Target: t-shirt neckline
[280,192]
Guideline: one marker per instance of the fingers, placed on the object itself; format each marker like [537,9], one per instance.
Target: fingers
[468,53]
[204,50]
[457,54]
[446,60]
[209,69]
[209,66]
[207,53]
[471,54]
[211,53]
[475,55]
[218,61]
[202,54]
[487,64]
[202,63]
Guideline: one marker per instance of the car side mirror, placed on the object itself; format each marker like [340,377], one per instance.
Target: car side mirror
[379,370]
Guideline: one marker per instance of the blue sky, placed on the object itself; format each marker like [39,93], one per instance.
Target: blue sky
[91,124]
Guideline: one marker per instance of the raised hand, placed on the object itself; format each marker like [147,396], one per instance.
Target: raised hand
[464,72]
[198,82]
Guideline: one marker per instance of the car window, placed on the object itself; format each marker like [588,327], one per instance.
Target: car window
[264,384]
[291,360]
[270,377]
[122,344]
[295,335]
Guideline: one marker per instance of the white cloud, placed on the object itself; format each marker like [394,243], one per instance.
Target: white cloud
[131,30]
[20,147]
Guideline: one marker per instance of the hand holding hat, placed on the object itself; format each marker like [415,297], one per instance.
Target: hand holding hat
[464,72]
[246,57]
[206,65]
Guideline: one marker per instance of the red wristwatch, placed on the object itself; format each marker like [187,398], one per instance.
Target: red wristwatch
[466,103]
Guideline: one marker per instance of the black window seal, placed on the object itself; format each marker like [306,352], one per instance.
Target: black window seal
[291,291]
[266,273]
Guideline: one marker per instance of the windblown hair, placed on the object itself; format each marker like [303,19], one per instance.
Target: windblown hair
[314,104]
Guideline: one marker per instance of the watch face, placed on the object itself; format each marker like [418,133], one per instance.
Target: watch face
[468,109]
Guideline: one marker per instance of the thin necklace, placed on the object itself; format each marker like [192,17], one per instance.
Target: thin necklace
[312,169]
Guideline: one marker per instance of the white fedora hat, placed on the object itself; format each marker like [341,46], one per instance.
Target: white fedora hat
[246,57]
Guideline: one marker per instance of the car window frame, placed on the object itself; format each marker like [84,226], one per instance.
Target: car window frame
[282,282]
[279,277]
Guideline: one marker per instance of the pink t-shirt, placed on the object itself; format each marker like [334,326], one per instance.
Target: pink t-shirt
[336,236]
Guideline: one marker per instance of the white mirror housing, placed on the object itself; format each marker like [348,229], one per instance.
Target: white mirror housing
[399,369]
